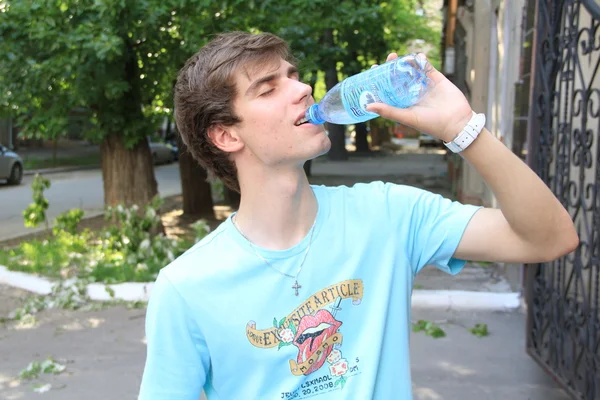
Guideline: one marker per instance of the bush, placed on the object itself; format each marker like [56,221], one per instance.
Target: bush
[68,221]
[129,250]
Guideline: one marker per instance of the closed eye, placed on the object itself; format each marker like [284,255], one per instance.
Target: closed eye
[267,93]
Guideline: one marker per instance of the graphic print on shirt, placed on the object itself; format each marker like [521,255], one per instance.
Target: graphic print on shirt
[313,331]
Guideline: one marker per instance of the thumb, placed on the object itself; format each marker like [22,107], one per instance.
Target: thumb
[401,115]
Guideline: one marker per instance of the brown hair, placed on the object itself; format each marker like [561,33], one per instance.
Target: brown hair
[205,91]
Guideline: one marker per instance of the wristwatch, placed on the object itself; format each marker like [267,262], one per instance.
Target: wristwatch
[468,134]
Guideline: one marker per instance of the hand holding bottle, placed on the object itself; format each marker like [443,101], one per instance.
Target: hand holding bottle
[443,113]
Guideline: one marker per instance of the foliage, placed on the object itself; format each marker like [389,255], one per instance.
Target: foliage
[35,368]
[218,190]
[79,161]
[480,330]
[128,250]
[109,58]
[68,221]
[429,328]
[35,214]
[113,60]
[200,229]
[65,295]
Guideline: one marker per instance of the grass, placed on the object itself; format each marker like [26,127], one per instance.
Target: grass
[88,255]
[36,163]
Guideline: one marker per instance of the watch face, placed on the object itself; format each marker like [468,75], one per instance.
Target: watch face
[593,7]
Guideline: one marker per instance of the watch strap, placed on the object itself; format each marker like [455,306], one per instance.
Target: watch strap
[468,134]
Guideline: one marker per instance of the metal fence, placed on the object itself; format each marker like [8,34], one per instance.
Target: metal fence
[564,149]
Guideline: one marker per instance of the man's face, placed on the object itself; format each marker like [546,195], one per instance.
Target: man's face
[270,102]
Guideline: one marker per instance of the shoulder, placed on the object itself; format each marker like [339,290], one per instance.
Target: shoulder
[371,192]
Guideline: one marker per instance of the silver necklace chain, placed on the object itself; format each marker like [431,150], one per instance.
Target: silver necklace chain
[295,278]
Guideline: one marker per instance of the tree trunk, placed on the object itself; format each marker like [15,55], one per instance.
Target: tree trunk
[374,132]
[196,190]
[313,81]
[128,174]
[54,151]
[362,144]
[232,198]
[337,133]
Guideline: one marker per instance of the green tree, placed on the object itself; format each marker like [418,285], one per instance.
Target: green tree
[116,59]
[339,39]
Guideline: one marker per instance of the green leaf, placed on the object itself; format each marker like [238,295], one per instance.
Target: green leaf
[110,291]
[436,332]
[275,322]
[293,328]
[480,330]
[419,326]
[282,344]
[281,321]
[429,328]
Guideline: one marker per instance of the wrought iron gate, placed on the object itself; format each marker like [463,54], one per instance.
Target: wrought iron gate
[563,327]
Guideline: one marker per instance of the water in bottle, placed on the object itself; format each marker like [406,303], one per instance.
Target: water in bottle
[402,82]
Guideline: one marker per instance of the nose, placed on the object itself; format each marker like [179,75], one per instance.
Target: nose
[302,92]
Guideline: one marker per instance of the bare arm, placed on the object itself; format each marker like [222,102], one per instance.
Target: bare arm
[531,225]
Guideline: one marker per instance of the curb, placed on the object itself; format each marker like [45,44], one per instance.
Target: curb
[459,300]
[466,300]
[128,291]
[59,169]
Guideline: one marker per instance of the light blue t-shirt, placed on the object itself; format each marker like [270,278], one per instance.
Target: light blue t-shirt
[222,320]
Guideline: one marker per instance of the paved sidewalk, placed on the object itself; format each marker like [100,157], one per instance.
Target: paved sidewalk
[104,352]
[464,366]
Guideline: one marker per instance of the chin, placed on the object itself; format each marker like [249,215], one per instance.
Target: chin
[326,147]
[326,144]
[323,148]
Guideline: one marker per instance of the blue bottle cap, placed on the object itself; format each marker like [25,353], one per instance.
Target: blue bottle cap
[312,115]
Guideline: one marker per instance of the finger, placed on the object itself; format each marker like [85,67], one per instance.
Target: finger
[391,57]
[433,73]
[422,55]
[401,115]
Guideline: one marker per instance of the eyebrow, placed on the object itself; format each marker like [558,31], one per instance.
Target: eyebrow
[254,86]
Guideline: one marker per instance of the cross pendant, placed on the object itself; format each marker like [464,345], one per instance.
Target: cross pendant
[296,287]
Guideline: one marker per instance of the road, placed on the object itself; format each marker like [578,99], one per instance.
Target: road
[68,190]
[83,189]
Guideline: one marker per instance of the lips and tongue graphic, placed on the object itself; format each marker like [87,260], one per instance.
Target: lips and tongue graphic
[312,331]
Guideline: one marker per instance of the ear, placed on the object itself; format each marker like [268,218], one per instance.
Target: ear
[225,138]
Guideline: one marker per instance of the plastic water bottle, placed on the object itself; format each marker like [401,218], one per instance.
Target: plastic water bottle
[402,82]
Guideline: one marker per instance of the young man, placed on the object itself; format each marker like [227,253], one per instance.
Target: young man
[305,291]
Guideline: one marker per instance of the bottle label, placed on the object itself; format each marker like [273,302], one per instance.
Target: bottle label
[398,83]
[366,98]
[356,95]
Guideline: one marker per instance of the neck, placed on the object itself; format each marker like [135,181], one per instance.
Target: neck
[277,208]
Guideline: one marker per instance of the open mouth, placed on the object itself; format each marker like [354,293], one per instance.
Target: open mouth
[312,332]
[301,121]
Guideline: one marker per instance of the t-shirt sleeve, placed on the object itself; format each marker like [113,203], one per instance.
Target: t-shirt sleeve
[177,360]
[430,225]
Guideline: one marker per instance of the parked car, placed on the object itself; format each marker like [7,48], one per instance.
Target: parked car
[427,140]
[163,153]
[11,166]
